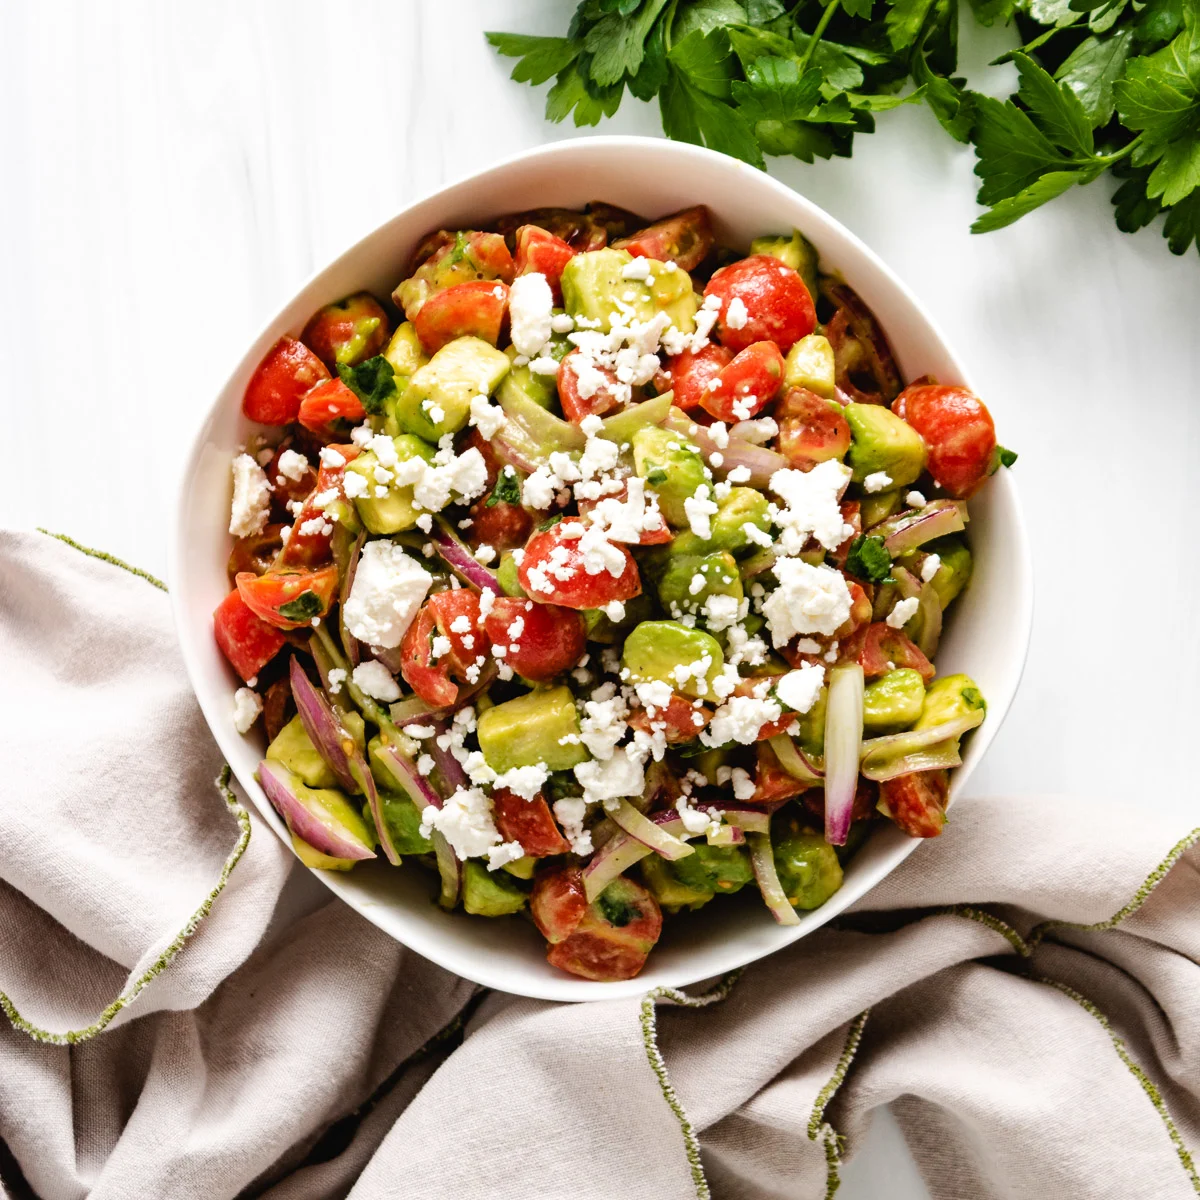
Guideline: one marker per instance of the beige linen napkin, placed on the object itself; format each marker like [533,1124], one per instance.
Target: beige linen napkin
[1024,991]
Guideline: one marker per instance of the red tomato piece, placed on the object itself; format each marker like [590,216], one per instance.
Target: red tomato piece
[679,721]
[474,309]
[553,571]
[457,615]
[747,385]
[347,331]
[777,306]
[314,547]
[616,934]
[917,802]
[502,526]
[603,390]
[430,676]
[579,230]
[884,648]
[861,610]
[811,428]
[958,430]
[684,239]
[427,676]
[543,640]
[327,402]
[558,902]
[255,553]
[539,250]
[244,638]
[771,782]
[289,598]
[693,373]
[280,381]
[656,536]
[284,488]
[529,822]
[852,516]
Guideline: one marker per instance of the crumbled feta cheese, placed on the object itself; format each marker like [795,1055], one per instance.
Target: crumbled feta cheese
[530,310]
[614,610]
[546,365]
[485,553]
[904,612]
[465,821]
[654,693]
[332,458]
[506,852]
[355,485]
[251,498]
[720,612]
[388,589]
[562,322]
[609,781]
[930,567]
[247,704]
[638,269]
[799,689]
[739,719]
[808,600]
[736,315]
[376,681]
[425,765]
[700,510]
[877,481]
[743,785]
[487,417]
[525,782]
[812,506]
[569,812]
[759,431]
[694,821]
[603,723]
[337,677]
[292,465]
[915,499]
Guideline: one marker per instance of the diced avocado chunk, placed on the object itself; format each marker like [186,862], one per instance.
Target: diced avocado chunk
[743,506]
[522,383]
[673,294]
[294,749]
[797,251]
[522,868]
[657,650]
[812,726]
[881,441]
[490,893]
[724,869]
[310,856]
[710,762]
[687,582]
[404,350]
[600,627]
[878,506]
[594,288]
[893,702]
[671,892]
[807,865]
[394,511]
[949,698]
[539,727]
[507,576]
[954,573]
[673,467]
[403,821]
[461,370]
[810,364]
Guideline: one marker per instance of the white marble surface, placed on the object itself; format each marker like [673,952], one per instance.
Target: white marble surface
[172,172]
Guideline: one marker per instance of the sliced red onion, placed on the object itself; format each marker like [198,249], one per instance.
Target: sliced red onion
[726,835]
[448,767]
[750,820]
[843,740]
[349,642]
[547,432]
[307,820]
[619,853]
[625,424]
[391,658]
[793,761]
[407,778]
[929,610]
[758,460]
[646,831]
[513,446]
[460,560]
[917,749]
[762,858]
[915,527]
[366,781]
[325,732]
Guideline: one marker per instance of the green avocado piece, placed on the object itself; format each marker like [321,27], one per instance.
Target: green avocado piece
[393,512]
[797,251]
[594,290]
[404,350]
[676,588]
[490,893]
[878,506]
[893,702]
[673,467]
[671,892]
[655,648]
[810,364]
[403,820]
[881,441]
[461,370]
[507,576]
[724,869]
[521,868]
[954,573]
[949,698]
[710,761]
[310,856]
[743,506]
[812,726]
[599,627]
[522,383]
[531,729]
[807,866]
[333,808]
[294,749]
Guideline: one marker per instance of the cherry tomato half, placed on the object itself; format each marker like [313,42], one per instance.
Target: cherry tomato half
[539,250]
[474,309]
[777,306]
[558,902]
[615,935]
[885,648]
[958,430]
[693,373]
[684,239]
[917,802]
[289,598]
[311,548]
[502,525]
[747,385]
[327,402]
[244,638]
[603,390]
[655,536]
[553,572]
[771,781]
[454,616]
[543,640]
[280,381]
[811,428]
[679,721]
[347,331]
[529,822]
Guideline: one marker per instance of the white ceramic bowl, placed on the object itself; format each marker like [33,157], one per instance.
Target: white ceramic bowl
[988,629]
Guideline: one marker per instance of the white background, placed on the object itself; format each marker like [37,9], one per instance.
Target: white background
[171,172]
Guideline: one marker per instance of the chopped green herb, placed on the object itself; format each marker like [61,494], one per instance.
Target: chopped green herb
[305,606]
[373,382]
[507,489]
[1007,457]
[656,476]
[616,909]
[550,522]
[869,559]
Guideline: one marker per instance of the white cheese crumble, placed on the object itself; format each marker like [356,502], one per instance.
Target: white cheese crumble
[915,499]
[877,481]
[638,269]
[700,510]
[487,417]
[525,782]
[799,689]
[607,782]
[247,704]
[376,681]
[530,309]
[808,600]
[904,612]
[743,784]
[292,465]
[465,821]
[811,500]
[739,719]
[388,589]
[251,498]
[736,315]
[569,813]
[930,567]
[337,677]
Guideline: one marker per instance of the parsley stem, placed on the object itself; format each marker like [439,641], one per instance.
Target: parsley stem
[1124,151]
[668,21]
[817,33]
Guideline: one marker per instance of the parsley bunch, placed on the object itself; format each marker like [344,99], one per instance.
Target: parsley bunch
[1104,85]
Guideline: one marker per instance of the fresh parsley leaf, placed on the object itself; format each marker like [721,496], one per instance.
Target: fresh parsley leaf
[1134,210]
[1160,92]
[1178,171]
[1055,13]
[624,7]
[617,44]
[988,12]
[1001,457]
[750,44]
[572,94]
[760,12]
[706,60]
[1055,108]
[656,476]
[869,559]
[305,606]
[905,20]
[1182,226]
[507,489]
[841,72]
[775,90]
[1011,208]
[1013,152]
[1090,71]
[372,381]
[541,58]
[652,74]
[690,115]
[950,101]
[1102,19]
[1158,23]
[703,16]
[549,523]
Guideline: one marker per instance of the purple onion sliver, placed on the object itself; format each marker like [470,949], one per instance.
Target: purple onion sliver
[322,726]
[930,522]
[461,561]
[303,821]
[366,781]
[843,742]
[649,833]
[349,642]
[450,769]
[750,820]
[513,455]
[762,859]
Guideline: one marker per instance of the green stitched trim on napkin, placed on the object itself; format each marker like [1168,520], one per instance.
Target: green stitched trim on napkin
[165,959]
[834,1142]
[649,1021]
[108,558]
[983,917]
[1140,897]
[1147,1085]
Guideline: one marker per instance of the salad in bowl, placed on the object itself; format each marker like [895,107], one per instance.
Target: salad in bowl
[599,573]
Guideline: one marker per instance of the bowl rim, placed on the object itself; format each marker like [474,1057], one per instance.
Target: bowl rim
[497,977]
